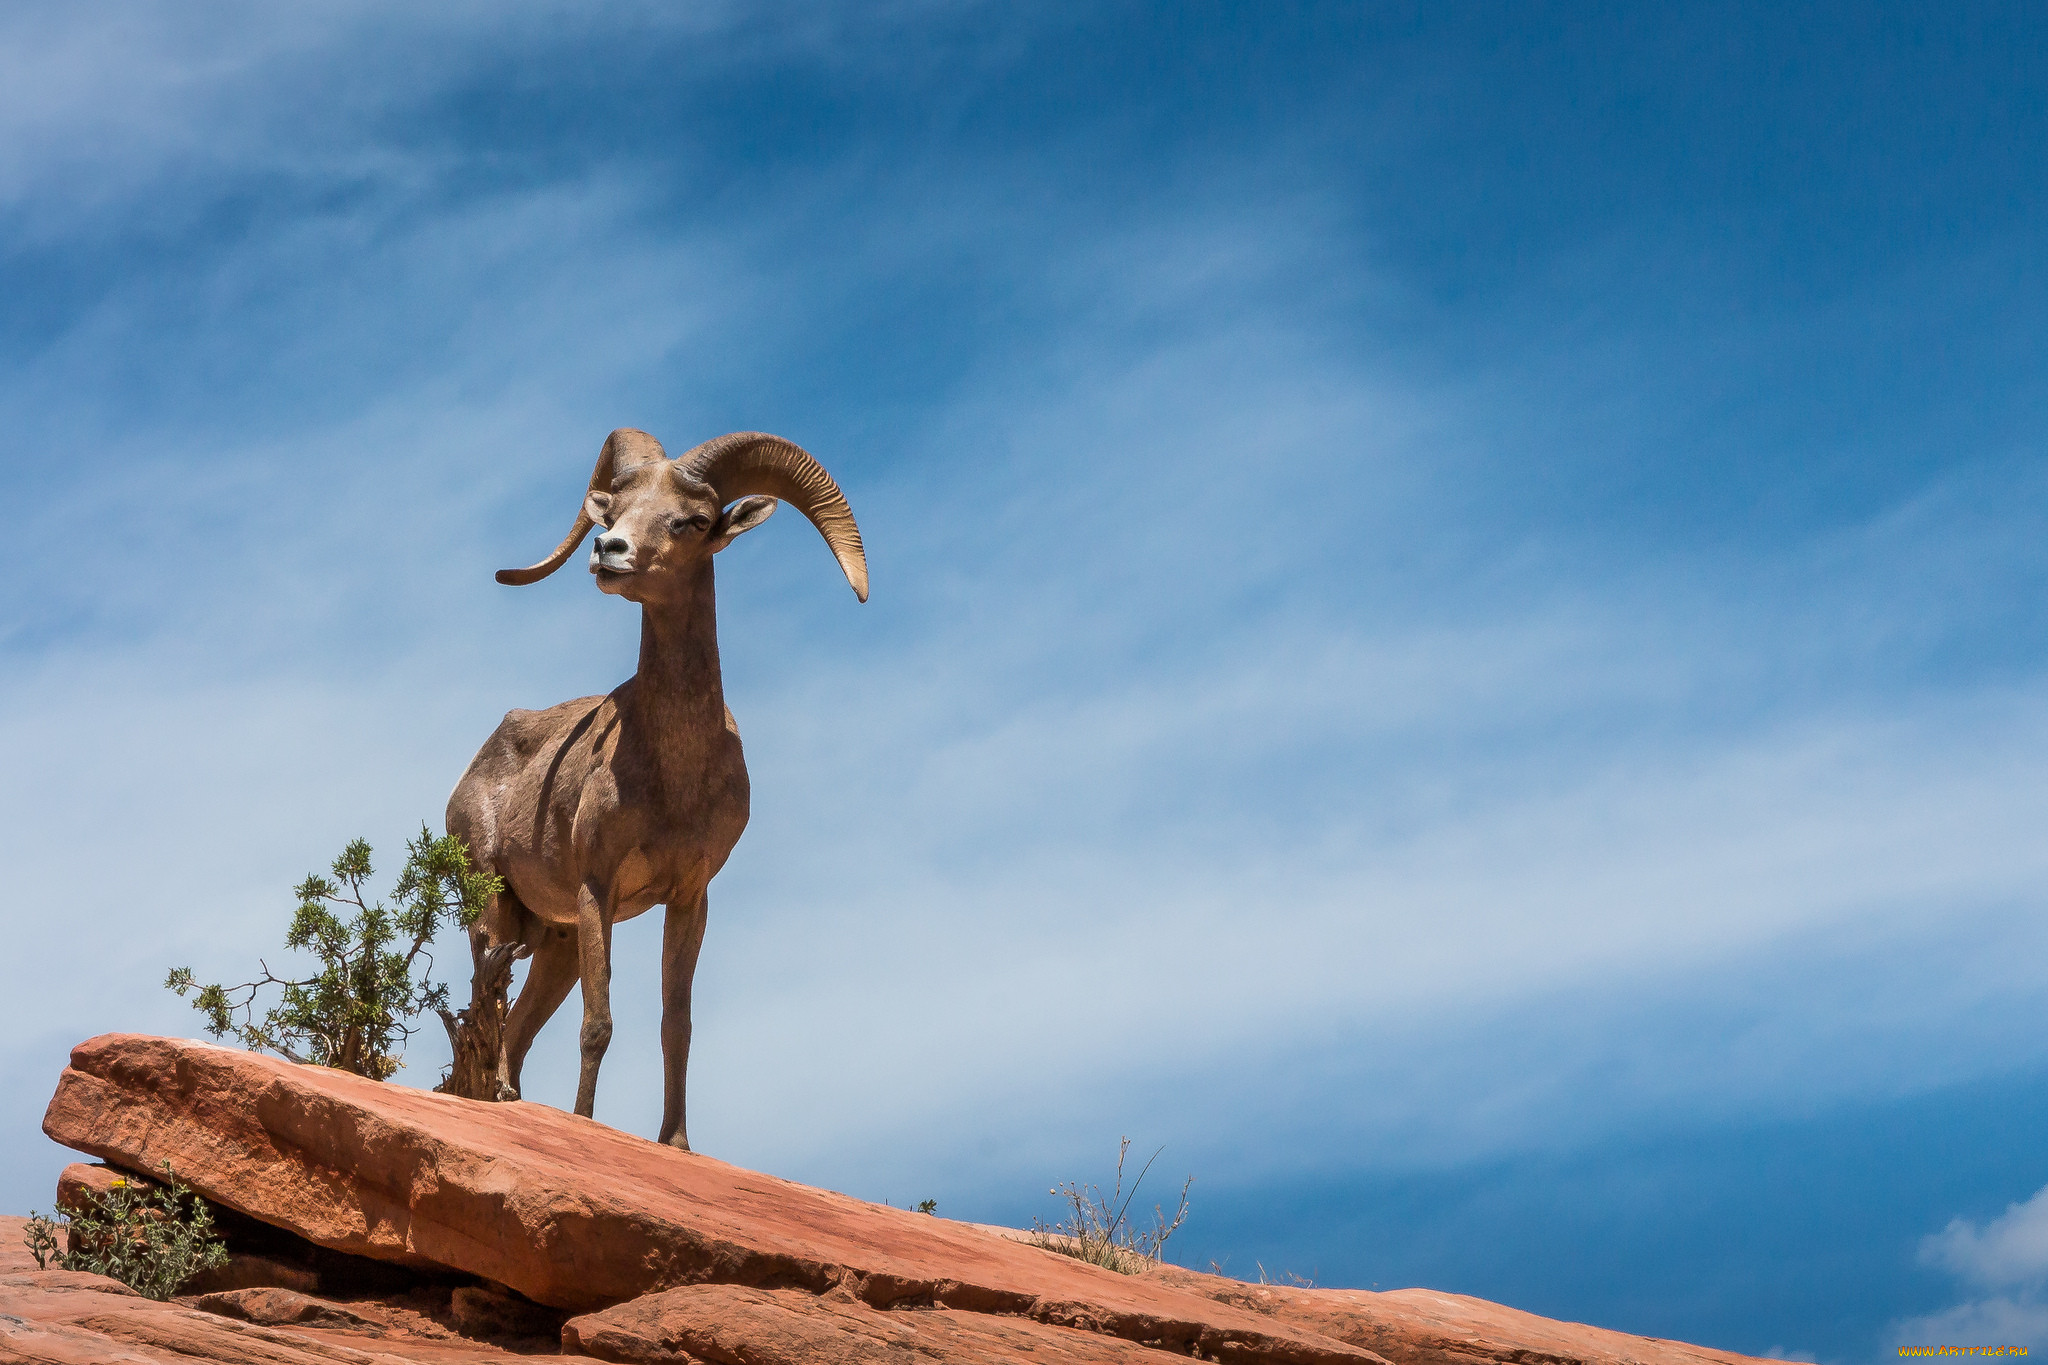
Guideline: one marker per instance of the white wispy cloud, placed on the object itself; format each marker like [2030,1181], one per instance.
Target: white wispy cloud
[2011,1249]
[2006,1260]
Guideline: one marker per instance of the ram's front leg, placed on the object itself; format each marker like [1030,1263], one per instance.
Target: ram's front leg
[594,953]
[682,935]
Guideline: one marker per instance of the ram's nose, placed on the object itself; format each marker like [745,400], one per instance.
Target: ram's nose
[613,553]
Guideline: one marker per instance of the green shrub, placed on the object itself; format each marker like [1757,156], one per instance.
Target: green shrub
[355,1012]
[43,1240]
[151,1237]
[1099,1230]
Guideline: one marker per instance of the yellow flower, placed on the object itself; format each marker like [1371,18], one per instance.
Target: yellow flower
[120,1184]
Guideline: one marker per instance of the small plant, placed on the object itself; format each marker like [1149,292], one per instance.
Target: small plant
[1100,1232]
[930,1206]
[43,1241]
[150,1236]
[355,1013]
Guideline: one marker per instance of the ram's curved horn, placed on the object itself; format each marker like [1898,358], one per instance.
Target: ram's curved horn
[624,449]
[754,462]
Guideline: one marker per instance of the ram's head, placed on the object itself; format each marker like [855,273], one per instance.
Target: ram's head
[659,518]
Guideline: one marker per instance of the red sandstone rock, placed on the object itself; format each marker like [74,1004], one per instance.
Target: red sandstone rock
[725,1322]
[79,1185]
[571,1213]
[1425,1327]
[279,1308]
[670,1256]
[63,1317]
[246,1272]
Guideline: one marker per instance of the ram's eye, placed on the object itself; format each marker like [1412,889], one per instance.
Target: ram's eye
[700,523]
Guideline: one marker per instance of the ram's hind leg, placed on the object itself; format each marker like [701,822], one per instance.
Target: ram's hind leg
[548,980]
[682,935]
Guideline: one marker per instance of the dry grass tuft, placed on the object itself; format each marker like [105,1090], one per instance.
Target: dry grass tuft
[1100,1231]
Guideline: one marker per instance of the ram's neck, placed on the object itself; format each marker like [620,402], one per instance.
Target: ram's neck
[677,694]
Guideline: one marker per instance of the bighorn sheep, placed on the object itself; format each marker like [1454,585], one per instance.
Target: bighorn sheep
[600,808]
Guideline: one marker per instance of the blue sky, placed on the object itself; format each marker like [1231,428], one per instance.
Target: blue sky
[1455,632]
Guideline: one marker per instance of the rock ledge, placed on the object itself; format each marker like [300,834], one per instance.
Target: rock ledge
[521,1220]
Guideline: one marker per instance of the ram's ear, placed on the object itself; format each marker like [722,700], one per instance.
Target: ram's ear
[743,515]
[597,505]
